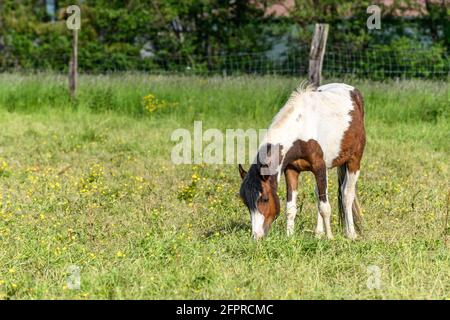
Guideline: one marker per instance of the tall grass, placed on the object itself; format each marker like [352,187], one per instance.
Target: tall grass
[214,97]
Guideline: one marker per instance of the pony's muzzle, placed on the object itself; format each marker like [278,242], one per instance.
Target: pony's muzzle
[258,235]
[259,229]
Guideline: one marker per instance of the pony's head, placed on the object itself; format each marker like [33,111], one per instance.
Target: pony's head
[259,193]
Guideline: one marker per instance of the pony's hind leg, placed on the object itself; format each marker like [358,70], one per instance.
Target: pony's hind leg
[320,173]
[348,189]
[291,204]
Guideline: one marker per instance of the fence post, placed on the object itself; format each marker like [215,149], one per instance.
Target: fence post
[73,65]
[317,53]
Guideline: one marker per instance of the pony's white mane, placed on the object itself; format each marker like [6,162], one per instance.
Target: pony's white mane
[293,101]
[302,88]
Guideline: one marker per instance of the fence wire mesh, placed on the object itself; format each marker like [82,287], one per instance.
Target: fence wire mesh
[340,60]
[374,63]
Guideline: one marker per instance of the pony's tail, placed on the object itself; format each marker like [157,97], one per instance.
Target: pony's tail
[356,209]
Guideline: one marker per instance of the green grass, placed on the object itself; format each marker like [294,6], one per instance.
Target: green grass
[90,183]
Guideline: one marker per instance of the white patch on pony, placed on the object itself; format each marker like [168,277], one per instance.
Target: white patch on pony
[348,191]
[319,227]
[258,230]
[320,223]
[321,115]
[325,212]
[324,209]
[291,212]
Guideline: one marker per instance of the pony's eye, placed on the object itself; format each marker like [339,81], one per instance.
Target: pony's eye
[265,199]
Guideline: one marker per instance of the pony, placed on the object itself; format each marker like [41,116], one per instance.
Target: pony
[316,130]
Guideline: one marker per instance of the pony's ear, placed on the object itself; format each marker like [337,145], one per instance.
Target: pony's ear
[242,172]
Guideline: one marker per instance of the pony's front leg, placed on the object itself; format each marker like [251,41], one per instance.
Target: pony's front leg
[320,173]
[291,204]
[320,231]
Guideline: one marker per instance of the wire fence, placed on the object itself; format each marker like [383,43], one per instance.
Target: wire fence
[339,61]
[375,63]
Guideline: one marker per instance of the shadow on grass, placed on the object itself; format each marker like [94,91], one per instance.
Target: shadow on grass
[229,227]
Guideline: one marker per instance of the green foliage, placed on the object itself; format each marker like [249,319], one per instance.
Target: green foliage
[113,33]
[405,54]
[209,36]
[401,58]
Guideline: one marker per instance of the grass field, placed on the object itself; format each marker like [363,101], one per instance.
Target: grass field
[90,185]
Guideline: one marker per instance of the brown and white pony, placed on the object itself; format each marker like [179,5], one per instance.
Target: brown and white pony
[316,130]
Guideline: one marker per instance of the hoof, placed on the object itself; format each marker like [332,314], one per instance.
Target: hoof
[352,236]
[319,234]
[290,232]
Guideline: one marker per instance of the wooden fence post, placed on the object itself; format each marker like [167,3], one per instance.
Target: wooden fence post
[317,53]
[73,65]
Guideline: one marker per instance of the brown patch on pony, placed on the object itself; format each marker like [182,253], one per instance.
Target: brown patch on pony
[354,139]
[349,159]
[308,156]
[304,156]
[269,203]
[291,175]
